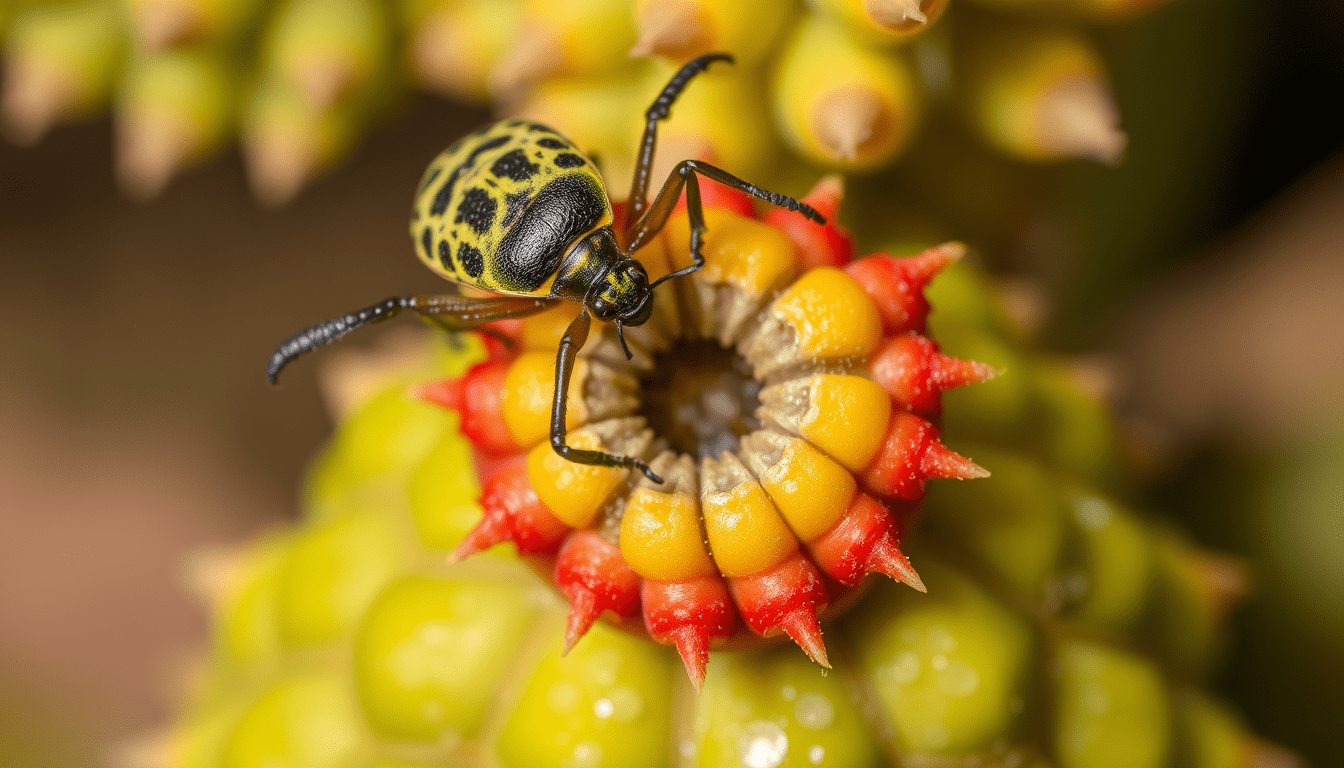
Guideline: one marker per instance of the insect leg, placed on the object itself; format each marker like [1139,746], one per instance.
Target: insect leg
[685,175]
[573,341]
[639,185]
[450,312]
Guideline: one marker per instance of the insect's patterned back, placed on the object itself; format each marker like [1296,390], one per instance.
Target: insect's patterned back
[498,209]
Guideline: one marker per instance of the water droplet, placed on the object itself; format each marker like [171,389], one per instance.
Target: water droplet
[602,708]
[1092,512]
[762,745]
[686,748]
[562,697]
[938,662]
[626,704]
[816,754]
[788,692]
[814,711]
[586,754]
[959,679]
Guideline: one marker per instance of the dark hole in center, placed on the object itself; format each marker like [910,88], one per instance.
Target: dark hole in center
[701,398]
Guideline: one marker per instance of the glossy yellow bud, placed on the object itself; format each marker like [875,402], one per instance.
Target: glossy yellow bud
[575,493]
[833,317]
[744,253]
[847,418]
[529,388]
[661,538]
[810,489]
[746,533]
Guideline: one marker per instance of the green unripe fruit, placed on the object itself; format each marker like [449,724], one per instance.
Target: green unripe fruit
[948,668]
[607,703]
[1112,709]
[332,573]
[309,720]
[777,708]
[431,653]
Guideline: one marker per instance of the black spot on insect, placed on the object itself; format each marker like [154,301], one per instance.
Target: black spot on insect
[550,143]
[568,160]
[430,176]
[539,128]
[444,196]
[490,182]
[514,205]
[537,154]
[485,146]
[427,240]
[514,165]
[477,210]
[445,255]
[470,259]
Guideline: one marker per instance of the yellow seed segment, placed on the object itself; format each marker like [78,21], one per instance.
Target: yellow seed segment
[660,536]
[528,388]
[746,533]
[575,493]
[810,489]
[741,252]
[847,418]
[832,315]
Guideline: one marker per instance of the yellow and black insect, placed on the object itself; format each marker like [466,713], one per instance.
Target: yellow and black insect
[517,210]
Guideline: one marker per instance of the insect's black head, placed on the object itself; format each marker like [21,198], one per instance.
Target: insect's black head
[622,294]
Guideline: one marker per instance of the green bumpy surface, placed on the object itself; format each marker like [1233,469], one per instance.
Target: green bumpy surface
[1059,629]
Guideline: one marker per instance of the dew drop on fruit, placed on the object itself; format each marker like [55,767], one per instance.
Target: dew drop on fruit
[814,711]
[762,745]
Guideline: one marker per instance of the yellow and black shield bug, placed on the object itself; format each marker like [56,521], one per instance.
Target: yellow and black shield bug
[517,210]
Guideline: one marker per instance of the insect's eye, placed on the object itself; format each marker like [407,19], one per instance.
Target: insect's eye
[634,271]
[603,310]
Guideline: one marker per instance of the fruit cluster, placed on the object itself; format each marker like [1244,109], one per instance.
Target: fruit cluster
[1058,627]
[845,381]
[841,84]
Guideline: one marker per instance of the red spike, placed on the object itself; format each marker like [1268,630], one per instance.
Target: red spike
[689,614]
[478,398]
[939,461]
[802,627]
[693,647]
[784,598]
[861,542]
[897,285]
[512,512]
[591,572]
[912,370]
[886,557]
[911,454]
[583,611]
[819,245]
[493,529]
[446,393]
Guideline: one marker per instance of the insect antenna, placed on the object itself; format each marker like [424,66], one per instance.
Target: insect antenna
[318,335]
[620,334]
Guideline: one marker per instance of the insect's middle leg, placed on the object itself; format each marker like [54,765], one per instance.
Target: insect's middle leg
[573,341]
[685,174]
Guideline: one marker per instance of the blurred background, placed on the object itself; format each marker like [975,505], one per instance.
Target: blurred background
[1200,279]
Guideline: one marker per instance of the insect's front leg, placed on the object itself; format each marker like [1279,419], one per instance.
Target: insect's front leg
[575,337]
